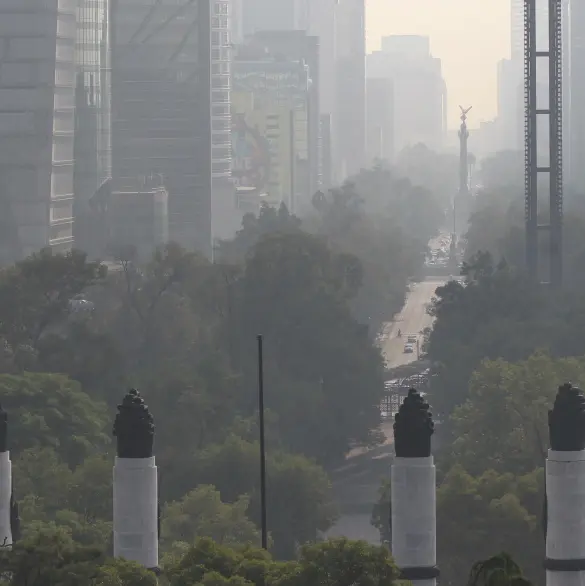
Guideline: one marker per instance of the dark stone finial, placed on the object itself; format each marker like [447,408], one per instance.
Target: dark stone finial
[413,427]
[134,427]
[3,430]
[566,420]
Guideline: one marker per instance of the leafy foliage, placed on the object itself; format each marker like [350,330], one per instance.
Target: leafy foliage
[337,562]
[183,331]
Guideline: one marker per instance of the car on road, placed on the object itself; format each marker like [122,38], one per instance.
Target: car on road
[408,348]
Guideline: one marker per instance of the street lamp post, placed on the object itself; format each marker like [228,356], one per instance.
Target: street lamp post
[262,445]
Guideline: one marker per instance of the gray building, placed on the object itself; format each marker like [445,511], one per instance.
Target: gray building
[92,144]
[380,117]
[350,109]
[297,45]
[161,108]
[37,118]
[138,221]
[419,90]
[225,218]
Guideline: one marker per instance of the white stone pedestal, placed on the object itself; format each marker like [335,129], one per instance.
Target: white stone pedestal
[5,494]
[135,510]
[414,518]
[565,539]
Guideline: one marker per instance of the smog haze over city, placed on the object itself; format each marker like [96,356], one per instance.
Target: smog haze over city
[292,292]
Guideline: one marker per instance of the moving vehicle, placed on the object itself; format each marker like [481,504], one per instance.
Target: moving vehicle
[408,349]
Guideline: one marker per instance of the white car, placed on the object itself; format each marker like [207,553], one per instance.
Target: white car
[408,348]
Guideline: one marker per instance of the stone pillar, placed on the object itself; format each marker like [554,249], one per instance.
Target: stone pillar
[135,484]
[565,490]
[9,519]
[414,533]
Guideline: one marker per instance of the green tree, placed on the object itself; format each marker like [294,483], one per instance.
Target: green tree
[35,296]
[338,562]
[503,423]
[479,514]
[50,410]
[268,221]
[499,570]
[295,291]
[201,513]
[50,558]
[299,491]
[341,562]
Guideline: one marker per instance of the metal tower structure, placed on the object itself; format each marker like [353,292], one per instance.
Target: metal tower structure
[550,223]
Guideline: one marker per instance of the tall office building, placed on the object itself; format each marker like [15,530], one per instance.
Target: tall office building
[223,209]
[510,105]
[321,23]
[92,142]
[161,108]
[350,134]
[37,111]
[380,117]
[297,45]
[267,15]
[576,86]
[420,96]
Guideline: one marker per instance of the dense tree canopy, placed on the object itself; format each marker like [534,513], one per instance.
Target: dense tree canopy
[183,330]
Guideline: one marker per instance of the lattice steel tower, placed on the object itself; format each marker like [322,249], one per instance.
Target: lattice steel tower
[538,221]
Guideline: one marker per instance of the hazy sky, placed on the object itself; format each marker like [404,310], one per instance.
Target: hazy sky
[470,37]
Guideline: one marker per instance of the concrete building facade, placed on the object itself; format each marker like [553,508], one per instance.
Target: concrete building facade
[37,119]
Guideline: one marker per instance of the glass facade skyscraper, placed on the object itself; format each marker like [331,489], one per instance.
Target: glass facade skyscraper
[161,108]
[37,115]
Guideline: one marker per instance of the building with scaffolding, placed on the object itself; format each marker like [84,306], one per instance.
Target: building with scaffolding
[162,108]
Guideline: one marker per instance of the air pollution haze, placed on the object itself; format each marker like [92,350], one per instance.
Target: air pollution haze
[470,36]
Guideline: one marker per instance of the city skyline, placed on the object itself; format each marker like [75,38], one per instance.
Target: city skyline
[469,36]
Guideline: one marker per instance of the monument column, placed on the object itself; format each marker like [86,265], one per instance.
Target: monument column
[565,490]
[414,534]
[135,484]
[9,521]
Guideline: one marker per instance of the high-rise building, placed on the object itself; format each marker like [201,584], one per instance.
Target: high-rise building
[380,117]
[271,128]
[420,96]
[37,118]
[350,108]
[223,210]
[161,108]
[576,86]
[297,45]
[92,141]
[325,148]
[268,15]
[510,105]
[317,18]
